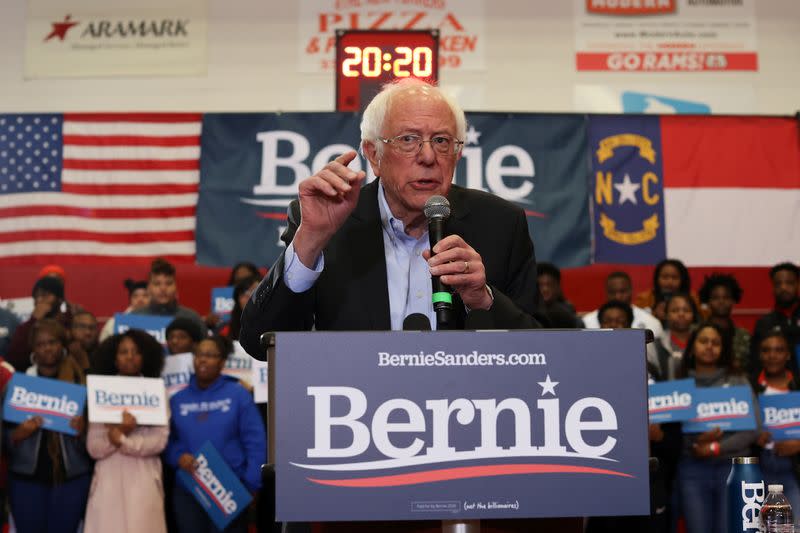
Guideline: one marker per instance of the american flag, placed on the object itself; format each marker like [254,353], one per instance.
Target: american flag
[110,187]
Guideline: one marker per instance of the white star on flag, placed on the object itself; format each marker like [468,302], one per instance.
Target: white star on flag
[472,135]
[548,386]
[627,190]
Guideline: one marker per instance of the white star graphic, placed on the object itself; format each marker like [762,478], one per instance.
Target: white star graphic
[627,190]
[548,386]
[472,135]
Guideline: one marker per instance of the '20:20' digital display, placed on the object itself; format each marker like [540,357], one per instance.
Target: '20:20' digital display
[367,59]
[372,62]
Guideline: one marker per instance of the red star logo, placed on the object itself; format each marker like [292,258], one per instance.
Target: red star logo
[60,29]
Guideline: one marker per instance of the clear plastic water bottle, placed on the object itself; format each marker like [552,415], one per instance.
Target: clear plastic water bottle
[776,513]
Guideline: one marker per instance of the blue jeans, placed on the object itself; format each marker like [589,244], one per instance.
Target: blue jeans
[43,508]
[778,470]
[701,483]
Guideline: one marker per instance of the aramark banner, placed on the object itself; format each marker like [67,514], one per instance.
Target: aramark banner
[460,425]
[251,165]
[57,402]
[95,38]
[780,414]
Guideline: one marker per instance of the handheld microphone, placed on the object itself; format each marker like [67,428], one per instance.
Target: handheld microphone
[416,322]
[437,211]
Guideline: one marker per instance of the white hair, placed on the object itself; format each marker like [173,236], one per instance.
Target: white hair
[378,108]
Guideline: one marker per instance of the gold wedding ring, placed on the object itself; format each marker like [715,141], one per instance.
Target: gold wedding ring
[466,267]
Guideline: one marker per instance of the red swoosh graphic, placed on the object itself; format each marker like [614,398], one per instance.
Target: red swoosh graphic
[536,214]
[718,417]
[273,216]
[466,472]
[782,426]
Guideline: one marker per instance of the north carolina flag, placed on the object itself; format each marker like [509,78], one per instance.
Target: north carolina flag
[730,185]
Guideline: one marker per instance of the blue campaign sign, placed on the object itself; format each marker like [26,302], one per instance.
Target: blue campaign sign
[460,425]
[54,400]
[670,401]
[728,408]
[781,415]
[152,324]
[215,487]
[222,303]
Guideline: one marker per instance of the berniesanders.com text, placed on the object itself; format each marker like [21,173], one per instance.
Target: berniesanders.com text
[474,358]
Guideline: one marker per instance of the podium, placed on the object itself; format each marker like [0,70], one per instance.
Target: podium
[458,428]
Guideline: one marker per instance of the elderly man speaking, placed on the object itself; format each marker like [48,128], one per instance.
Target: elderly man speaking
[358,258]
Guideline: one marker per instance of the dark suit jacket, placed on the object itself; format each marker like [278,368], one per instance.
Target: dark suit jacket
[351,293]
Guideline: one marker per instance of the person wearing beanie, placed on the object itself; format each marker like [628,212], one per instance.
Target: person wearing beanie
[48,297]
[137,299]
[182,335]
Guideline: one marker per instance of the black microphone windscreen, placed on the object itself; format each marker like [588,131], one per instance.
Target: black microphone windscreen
[479,319]
[416,322]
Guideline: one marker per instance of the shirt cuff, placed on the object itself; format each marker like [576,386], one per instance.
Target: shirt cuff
[297,276]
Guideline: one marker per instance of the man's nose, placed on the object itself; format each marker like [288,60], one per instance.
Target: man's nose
[426,153]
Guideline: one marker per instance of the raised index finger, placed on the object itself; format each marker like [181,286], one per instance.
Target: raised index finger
[346,157]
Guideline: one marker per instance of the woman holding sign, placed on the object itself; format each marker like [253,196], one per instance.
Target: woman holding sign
[778,458]
[127,493]
[49,472]
[214,408]
[706,457]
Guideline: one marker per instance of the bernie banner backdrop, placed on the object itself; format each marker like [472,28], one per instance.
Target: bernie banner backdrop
[251,165]
[213,189]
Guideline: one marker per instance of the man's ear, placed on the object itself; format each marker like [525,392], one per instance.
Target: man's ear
[370,151]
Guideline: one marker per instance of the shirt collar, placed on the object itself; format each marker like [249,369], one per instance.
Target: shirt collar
[392,225]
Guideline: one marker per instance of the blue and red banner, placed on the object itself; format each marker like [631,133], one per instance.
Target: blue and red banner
[671,401]
[780,414]
[57,402]
[215,487]
[459,425]
[251,165]
[727,408]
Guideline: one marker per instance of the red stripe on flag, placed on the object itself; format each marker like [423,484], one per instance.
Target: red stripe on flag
[731,152]
[111,213]
[85,259]
[133,117]
[131,164]
[112,238]
[131,140]
[129,188]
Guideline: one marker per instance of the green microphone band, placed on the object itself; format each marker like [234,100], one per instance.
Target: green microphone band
[442,297]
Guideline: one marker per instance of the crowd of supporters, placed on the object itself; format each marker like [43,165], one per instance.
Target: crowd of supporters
[121,477]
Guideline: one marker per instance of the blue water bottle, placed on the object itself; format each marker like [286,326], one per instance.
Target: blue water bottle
[745,489]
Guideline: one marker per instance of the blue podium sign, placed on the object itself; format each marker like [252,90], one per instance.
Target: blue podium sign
[670,401]
[460,425]
[54,400]
[728,408]
[781,415]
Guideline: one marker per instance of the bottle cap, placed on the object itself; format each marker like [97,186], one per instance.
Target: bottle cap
[745,460]
[775,488]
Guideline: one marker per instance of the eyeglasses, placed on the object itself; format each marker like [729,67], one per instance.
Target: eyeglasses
[411,144]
